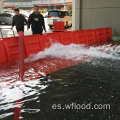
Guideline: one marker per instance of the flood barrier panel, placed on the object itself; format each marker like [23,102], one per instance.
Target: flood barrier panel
[36,43]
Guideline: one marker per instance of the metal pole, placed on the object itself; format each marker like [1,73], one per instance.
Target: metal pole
[13,33]
[1,33]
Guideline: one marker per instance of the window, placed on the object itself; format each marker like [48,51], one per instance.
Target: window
[58,13]
[53,13]
[5,19]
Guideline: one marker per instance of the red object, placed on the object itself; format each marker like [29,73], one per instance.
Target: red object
[21,54]
[49,16]
[80,37]
[54,37]
[17,110]
[67,38]
[59,26]
[83,37]
[101,35]
[32,44]
[90,37]
[44,42]
[36,43]
[17,113]
[108,33]
[3,55]
[11,47]
[76,37]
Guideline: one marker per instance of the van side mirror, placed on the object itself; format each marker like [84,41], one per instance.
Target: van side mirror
[46,16]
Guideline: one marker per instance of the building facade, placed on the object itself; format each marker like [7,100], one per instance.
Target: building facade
[86,14]
[31,3]
[1,4]
[90,14]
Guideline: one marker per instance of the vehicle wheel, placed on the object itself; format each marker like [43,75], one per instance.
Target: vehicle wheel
[67,25]
[51,27]
[70,25]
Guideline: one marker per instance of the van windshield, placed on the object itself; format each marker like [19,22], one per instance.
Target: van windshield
[57,13]
[5,19]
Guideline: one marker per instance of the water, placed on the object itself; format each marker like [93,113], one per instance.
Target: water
[93,79]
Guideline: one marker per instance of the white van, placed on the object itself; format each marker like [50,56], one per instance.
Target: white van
[58,15]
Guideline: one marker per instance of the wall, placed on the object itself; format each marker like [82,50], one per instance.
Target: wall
[76,15]
[31,3]
[1,1]
[100,13]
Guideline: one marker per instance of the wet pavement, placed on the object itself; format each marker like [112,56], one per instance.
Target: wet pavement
[69,94]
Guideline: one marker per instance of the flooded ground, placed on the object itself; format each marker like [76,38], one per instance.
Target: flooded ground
[89,90]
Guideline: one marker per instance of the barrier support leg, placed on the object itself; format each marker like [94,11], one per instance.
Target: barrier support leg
[17,110]
[21,55]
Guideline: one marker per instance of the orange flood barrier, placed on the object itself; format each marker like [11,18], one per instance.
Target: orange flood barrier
[59,26]
[36,43]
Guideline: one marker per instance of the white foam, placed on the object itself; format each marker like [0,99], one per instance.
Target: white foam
[76,52]
[19,90]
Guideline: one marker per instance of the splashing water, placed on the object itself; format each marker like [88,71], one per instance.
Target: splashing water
[60,53]
[76,52]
